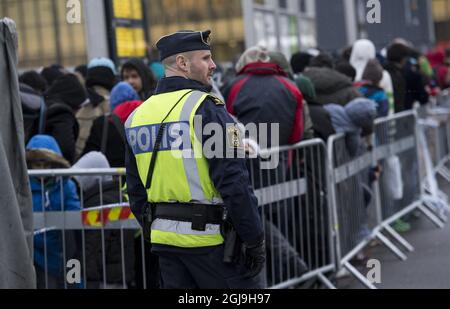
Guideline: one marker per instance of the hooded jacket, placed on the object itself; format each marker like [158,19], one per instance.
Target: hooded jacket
[44,149]
[362,52]
[373,74]
[63,99]
[437,61]
[377,95]
[262,93]
[100,80]
[320,117]
[399,83]
[147,77]
[331,86]
[357,116]
[33,110]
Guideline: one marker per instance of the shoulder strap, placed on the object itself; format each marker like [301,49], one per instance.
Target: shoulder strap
[42,117]
[157,146]
[105,134]
[216,100]
[118,125]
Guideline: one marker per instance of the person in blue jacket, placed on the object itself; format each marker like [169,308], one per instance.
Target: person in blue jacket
[43,152]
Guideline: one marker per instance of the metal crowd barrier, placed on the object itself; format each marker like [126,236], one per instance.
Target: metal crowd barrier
[434,134]
[294,208]
[89,225]
[296,215]
[318,208]
[395,194]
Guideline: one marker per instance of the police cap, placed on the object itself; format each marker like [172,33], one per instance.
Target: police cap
[183,41]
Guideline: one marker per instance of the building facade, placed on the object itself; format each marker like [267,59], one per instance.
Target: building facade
[408,19]
[127,28]
[441,15]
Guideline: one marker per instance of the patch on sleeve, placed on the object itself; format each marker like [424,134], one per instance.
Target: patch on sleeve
[234,138]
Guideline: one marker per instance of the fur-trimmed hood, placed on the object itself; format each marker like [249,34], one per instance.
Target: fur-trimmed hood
[44,149]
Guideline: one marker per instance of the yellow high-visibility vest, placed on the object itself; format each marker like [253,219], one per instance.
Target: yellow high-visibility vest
[181,173]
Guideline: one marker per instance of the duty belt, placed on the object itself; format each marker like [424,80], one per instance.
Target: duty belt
[200,215]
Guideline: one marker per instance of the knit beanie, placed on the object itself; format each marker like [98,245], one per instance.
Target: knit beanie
[373,72]
[121,93]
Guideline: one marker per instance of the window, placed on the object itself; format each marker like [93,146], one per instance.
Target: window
[223,17]
[45,37]
[412,12]
[441,10]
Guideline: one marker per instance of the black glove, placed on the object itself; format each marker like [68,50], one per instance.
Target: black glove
[255,259]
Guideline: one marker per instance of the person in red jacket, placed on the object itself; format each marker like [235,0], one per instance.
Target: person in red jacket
[262,94]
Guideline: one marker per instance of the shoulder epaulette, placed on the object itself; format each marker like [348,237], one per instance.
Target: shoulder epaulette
[216,100]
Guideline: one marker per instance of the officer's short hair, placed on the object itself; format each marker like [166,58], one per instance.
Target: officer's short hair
[170,61]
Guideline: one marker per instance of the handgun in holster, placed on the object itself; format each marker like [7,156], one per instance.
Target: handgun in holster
[233,244]
[148,218]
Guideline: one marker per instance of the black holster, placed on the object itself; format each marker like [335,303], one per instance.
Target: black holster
[232,245]
[147,220]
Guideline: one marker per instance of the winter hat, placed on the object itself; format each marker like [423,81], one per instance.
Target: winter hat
[101,76]
[52,73]
[280,59]
[102,62]
[121,93]
[300,61]
[92,160]
[34,80]
[363,51]
[373,72]
[252,55]
[45,149]
[69,90]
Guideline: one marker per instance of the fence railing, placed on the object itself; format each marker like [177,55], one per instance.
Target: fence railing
[320,207]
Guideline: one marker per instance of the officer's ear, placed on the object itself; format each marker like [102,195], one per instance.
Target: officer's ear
[182,63]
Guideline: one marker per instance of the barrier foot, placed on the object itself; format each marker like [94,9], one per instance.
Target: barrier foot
[399,238]
[326,282]
[440,213]
[444,172]
[438,206]
[359,276]
[391,246]
[431,216]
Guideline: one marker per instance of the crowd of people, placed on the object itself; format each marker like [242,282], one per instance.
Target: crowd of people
[75,118]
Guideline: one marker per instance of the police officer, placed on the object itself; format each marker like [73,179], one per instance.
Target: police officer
[182,196]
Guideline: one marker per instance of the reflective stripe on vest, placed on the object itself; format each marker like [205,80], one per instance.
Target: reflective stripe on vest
[166,232]
[189,161]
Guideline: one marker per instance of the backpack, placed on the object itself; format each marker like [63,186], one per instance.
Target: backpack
[33,111]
